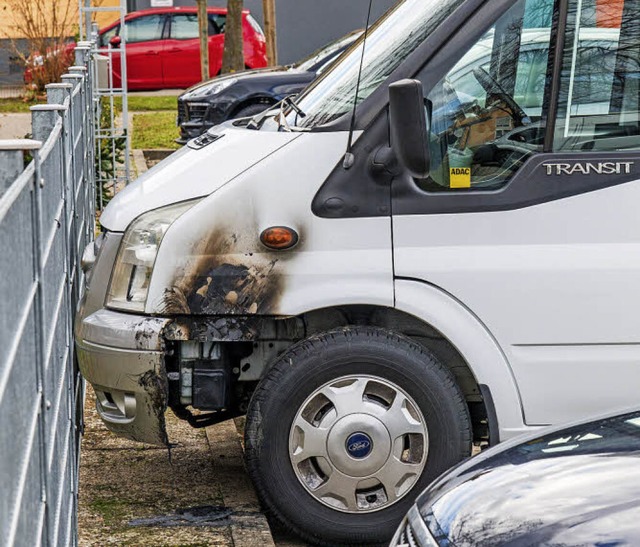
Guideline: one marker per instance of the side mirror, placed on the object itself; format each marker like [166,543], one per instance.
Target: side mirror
[115,41]
[409,121]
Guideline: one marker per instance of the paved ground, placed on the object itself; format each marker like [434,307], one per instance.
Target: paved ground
[15,126]
[132,494]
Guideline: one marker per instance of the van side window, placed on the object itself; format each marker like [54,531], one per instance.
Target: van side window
[599,102]
[487,112]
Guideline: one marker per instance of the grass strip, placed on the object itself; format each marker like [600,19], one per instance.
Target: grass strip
[141,103]
[155,130]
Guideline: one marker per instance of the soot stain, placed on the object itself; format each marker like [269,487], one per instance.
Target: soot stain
[155,385]
[204,515]
[225,279]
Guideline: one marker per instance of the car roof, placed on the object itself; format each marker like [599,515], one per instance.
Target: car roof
[163,11]
[178,9]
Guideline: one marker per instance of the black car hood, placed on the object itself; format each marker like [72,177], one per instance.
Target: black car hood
[257,77]
[561,500]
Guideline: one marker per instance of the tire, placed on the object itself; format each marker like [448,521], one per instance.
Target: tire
[372,363]
[251,110]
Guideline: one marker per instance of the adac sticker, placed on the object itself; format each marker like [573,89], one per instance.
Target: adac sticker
[460,177]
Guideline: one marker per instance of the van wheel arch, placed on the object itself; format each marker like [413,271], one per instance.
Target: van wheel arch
[394,320]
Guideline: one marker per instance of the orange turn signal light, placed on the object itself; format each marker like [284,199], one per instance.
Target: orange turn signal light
[279,238]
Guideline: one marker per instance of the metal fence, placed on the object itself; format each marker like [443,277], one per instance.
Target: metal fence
[113,136]
[46,219]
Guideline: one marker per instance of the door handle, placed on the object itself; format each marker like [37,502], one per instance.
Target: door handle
[175,50]
[152,52]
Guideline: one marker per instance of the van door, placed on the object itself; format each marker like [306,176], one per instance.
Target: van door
[530,214]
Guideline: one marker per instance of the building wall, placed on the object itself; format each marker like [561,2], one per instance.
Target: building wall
[11,39]
[303,25]
[8,15]
[11,68]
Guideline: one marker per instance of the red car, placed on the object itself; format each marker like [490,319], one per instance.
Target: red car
[163,48]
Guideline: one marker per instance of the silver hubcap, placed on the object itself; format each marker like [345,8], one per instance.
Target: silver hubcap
[358,443]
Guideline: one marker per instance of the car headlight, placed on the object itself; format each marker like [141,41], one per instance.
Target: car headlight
[413,532]
[215,87]
[137,254]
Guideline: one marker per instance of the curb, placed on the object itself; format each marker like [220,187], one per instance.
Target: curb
[139,162]
[157,154]
[249,527]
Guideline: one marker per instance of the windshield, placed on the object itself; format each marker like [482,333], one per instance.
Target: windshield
[390,41]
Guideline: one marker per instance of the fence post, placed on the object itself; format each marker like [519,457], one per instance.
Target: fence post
[62,94]
[58,93]
[82,53]
[43,120]
[85,105]
[77,121]
[84,59]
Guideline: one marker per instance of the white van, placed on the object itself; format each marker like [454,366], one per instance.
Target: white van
[379,290]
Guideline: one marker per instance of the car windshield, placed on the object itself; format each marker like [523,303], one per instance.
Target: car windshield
[390,41]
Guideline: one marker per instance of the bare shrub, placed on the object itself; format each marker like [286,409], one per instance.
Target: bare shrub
[49,27]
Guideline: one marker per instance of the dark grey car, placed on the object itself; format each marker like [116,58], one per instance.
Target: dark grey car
[572,486]
[247,93]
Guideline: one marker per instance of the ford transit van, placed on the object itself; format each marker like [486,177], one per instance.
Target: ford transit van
[437,244]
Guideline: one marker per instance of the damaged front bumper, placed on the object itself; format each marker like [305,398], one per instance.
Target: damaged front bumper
[122,356]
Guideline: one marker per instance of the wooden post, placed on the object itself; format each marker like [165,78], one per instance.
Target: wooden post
[203,31]
[269,13]
[233,58]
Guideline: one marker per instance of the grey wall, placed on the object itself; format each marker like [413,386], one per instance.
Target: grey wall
[305,25]
[11,67]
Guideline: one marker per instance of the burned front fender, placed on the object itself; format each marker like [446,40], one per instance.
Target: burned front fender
[226,273]
[131,390]
[123,357]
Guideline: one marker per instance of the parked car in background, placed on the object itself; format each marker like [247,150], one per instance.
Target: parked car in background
[163,49]
[568,486]
[42,69]
[240,95]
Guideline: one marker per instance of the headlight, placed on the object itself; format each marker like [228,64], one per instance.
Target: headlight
[137,254]
[214,88]
[413,532]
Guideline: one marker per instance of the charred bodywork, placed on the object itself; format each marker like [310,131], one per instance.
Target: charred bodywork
[225,276]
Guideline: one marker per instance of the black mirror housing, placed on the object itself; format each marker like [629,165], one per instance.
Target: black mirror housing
[409,126]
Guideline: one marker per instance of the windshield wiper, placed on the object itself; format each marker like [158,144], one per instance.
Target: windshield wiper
[257,120]
[282,119]
[291,103]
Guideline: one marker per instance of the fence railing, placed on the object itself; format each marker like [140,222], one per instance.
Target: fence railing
[47,212]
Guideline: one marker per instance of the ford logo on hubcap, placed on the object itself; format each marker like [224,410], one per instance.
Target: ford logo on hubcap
[359,445]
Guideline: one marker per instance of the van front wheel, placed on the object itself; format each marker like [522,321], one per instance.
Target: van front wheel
[346,429]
